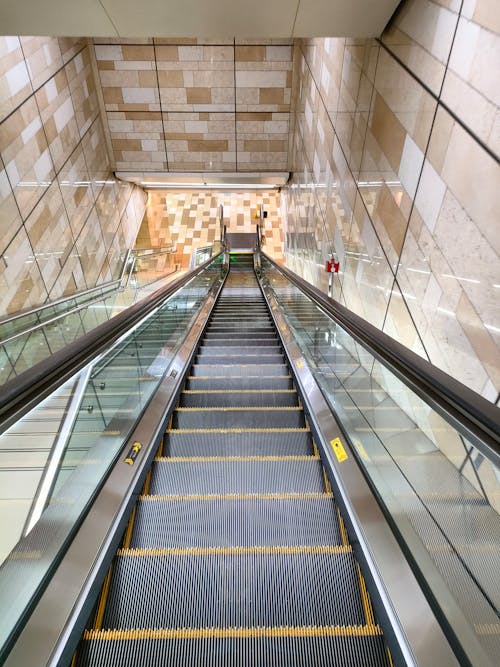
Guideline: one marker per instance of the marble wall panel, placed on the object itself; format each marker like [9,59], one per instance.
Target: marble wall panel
[197,77]
[420,35]
[53,167]
[471,86]
[58,117]
[25,154]
[128,77]
[200,141]
[414,126]
[10,219]
[15,84]
[83,90]
[262,140]
[21,284]
[43,58]
[50,234]
[138,141]
[76,188]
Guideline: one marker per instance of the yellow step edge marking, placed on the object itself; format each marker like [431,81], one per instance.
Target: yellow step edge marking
[147,481]
[328,488]
[196,459]
[315,448]
[389,656]
[102,600]
[240,430]
[338,450]
[130,527]
[230,633]
[237,496]
[247,407]
[236,551]
[343,531]
[239,391]
[487,629]
[367,605]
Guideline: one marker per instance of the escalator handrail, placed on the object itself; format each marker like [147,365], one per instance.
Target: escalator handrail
[471,414]
[22,393]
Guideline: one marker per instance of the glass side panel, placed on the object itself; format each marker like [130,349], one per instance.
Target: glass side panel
[442,495]
[77,433]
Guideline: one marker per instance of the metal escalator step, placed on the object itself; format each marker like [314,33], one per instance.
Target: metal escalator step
[239,370]
[280,443]
[269,334]
[248,382]
[233,398]
[237,348]
[288,648]
[226,342]
[216,521]
[179,477]
[242,417]
[230,358]
[225,590]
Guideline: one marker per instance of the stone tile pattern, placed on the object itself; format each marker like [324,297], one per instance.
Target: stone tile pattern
[184,105]
[189,219]
[65,222]
[406,193]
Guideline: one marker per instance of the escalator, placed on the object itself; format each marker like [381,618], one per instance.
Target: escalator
[247,473]
[236,552]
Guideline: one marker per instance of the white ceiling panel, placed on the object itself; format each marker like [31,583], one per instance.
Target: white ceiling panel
[55,18]
[343,18]
[203,18]
[196,18]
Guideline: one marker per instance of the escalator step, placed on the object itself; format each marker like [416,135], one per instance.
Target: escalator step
[237,342]
[231,350]
[265,443]
[248,382]
[239,370]
[285,650]
[233,358]
[202,590]
[190,477]
[236,521]
[242,335]
[253,398]
[214,418]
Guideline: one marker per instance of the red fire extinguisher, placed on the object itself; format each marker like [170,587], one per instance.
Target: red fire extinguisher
[332,265]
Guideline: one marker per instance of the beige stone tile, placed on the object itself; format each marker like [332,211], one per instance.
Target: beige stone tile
[43,58]
[83,90]
[91,249]
[473,177]
[76,189]
[107,211]
[70,46]
[21,285]
[50,234]
[58,117]
[10,220]
[25,154]
[15,85]
[421,35]
[96,156]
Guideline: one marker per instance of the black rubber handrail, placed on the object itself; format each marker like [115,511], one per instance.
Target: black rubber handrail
[22,393]
[473,416]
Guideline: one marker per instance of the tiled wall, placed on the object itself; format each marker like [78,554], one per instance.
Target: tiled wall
[395,159]
[65,222]
[185,105]
[189,220]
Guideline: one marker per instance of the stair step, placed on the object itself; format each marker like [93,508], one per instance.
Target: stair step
[287,520]
[238,398]
[198,477]
[247,382]
[274,442]
[238,370]
[233,358]
[241,417]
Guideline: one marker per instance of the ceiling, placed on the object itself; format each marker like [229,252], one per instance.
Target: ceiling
[201,18]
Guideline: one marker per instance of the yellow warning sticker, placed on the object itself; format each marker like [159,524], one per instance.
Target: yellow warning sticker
[338,450]
[283,327]
[300,363]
